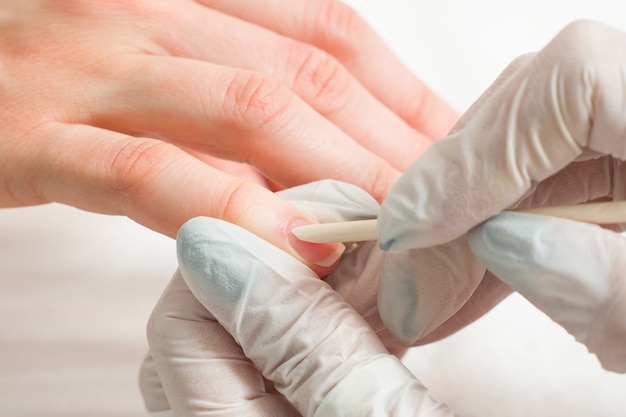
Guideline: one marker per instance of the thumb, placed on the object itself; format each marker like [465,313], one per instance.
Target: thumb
[318,351]
[574,272]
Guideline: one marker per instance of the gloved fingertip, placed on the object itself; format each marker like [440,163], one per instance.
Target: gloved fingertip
[385,243]
[401,304]
[394,235]
[222,264]
[329,201]
[398,305]
[204,245]
[501,244]
[526,250]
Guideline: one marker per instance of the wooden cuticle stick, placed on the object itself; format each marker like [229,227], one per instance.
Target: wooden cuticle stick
[609,212]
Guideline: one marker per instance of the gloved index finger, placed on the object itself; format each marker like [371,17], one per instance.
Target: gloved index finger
[558,107]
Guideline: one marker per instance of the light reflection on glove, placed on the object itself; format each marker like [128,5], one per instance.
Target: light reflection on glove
[261,313]
[550,131]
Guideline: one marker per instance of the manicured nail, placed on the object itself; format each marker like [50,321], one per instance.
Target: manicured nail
[321,254]
[333,257]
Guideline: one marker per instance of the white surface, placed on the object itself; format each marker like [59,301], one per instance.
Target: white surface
[76,288]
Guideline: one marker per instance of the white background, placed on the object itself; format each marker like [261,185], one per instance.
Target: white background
[76,288]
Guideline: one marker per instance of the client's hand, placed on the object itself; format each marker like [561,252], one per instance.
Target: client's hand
[128,106]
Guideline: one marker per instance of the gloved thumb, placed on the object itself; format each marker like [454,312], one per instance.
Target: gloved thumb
[574,272]
[316,349]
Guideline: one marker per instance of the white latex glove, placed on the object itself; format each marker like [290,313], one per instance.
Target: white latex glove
[550,131]
[572,271]
[261,313]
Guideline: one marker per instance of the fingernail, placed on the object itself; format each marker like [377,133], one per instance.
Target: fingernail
[333,257]
[321,254]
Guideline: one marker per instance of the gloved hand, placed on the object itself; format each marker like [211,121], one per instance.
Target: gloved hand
[550,131]
[572,271]
[263,314]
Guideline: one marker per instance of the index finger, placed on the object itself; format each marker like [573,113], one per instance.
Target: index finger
[159,186]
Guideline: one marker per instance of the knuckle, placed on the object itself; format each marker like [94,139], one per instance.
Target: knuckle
[237,200]
[87,7]
[254,101]
[341,27]
[8,197]
[136,163]
[414,107]
[321,80]
[379,179]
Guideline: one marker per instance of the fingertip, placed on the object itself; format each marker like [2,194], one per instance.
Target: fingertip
[400,309]
[322,257]
[396,233]
[203,251]
[533,252]
[503,244]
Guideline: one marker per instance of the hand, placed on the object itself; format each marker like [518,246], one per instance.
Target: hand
[550,131]
[240,310]
[117,106]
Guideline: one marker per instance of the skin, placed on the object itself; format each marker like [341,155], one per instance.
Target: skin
[163,111]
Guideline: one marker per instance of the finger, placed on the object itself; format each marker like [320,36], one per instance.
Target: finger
[356,277]
[357,280]
[237,169]
[560,107]
[239,115]
[579,182]
[334,27]
[424,295]
[296,330]
[329,201]
[573,272]
[314,75]
[159,186]
[487,295]
[415,288]
[422,288]
[202,368]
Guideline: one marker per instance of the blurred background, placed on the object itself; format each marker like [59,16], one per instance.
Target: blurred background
[76,288]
